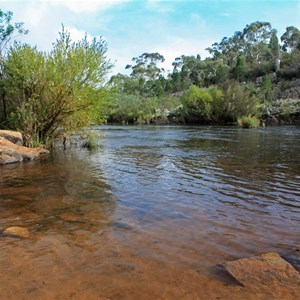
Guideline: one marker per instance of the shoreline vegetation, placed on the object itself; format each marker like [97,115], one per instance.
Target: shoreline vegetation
[250,79]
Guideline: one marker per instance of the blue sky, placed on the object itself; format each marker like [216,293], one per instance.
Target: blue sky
[132,27]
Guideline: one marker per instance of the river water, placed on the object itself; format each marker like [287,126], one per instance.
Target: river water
[150,214]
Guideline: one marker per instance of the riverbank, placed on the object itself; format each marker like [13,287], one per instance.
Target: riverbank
[12,149]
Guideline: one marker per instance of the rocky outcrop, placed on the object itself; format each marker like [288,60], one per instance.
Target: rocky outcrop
[13,136]
[267,270]
[11,151]
[287,89]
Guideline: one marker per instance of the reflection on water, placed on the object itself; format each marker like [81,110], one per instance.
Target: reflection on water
[152,211]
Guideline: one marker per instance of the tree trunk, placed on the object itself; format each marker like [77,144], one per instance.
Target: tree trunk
[4,106]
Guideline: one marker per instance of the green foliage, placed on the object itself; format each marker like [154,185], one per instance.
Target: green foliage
[290,65]
[146,66]
[90,140]
[239,102]
[132,109]
[283,107]
[197,105]
[60,89]
[7,31]
[291,39]
[217,104]
[212,105]
[239,71]
[266,89]
[248,122]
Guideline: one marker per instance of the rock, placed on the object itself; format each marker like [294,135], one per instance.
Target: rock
[70,217]
[17,231]
[12,136]
[264,271]
[10,152]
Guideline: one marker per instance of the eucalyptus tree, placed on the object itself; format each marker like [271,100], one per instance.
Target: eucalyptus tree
[187,71]
[257,37]
[252,50]
[146,66]
[275,50]
[291,39]
[147,72]
[229,49]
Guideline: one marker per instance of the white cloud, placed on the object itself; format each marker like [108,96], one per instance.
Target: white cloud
[77,35]
[35,13]
[79,6]
[180,46]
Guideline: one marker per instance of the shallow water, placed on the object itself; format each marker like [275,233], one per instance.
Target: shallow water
[150,214]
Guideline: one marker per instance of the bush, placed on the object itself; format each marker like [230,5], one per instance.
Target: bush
[248,122]
[60,89]
[90,140]
[239,102]
[197,105]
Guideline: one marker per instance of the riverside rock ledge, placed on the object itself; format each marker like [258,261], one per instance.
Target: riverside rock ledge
[11,150]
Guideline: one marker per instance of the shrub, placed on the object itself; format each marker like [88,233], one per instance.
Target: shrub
[239,102]
[248,122]
[90,140]
[197,105]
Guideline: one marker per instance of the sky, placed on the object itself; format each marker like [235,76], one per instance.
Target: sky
[133,27]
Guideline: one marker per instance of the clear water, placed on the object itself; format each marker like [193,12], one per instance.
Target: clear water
[147,206]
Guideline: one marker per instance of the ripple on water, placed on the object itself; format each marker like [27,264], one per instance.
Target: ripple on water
[186,198]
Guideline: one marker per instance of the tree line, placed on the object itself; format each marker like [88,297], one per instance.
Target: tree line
[220,89]
[43,94]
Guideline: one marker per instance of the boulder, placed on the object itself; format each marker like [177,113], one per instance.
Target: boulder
[264,271]
[13,136]
[16,231]
[11,152]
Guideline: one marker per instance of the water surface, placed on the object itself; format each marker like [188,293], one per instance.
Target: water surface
[149,214]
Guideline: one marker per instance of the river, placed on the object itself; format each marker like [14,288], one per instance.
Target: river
[150,214]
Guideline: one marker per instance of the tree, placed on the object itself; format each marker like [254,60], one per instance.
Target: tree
[8,31]
[146,72]
[239,71]
[146,66]
[275,50]
[291,39]
[60,89]
[257,36]
[229,49]
[255,43]
[187,71]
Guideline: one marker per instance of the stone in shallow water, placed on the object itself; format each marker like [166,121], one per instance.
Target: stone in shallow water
[265,270]
[11,153]
[70,217]
[17,231]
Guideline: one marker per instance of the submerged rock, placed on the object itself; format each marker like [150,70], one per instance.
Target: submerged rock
[11,153]
[267,270]
[70,217]
[16,231]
